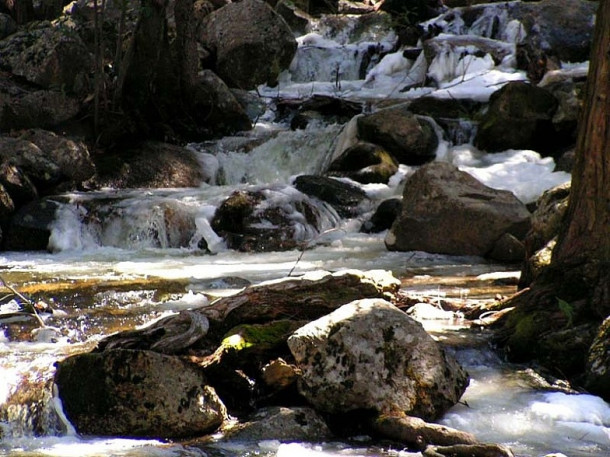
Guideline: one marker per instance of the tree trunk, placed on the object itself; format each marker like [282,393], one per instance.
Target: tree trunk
[554,321]
[587,233]
[21,10]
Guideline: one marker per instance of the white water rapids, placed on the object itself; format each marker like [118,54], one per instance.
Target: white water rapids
[134,240]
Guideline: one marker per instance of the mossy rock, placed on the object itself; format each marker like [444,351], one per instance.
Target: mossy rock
[259,337]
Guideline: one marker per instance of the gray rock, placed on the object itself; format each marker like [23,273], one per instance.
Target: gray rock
[283,424]
[53,57]
[252,44]
[447,211]
[137,393]
[520,116]
[369,355]
[412,140]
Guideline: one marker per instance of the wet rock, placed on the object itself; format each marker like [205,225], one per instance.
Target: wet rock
[252,44]
[365,163]
[151,164]
[347,199]
[283,424]
[519,117]
[546,221]
[50,56]
[384,216]
[368,355]
[30,227]
[445,210]
[598,363]
[270,220]
[30,410]
[410,139]
[138,394]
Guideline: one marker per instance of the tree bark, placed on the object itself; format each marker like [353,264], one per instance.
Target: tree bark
[571,297]
[587,233]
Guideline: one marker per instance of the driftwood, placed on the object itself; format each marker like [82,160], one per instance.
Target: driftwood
[171,335]
[468,450]
[304,298]
[417,433]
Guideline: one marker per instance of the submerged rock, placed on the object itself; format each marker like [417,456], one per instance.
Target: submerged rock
[274,219]
[368,355]
[347,199]
[137,393]
[447,211]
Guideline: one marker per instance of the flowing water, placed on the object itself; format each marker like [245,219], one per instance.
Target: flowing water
[119,259]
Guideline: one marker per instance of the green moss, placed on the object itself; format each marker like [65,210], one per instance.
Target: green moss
[267,335]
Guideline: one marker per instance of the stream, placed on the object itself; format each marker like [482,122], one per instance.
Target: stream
[116,259]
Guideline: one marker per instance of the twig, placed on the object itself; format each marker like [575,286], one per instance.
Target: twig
[25,299]
[304,247]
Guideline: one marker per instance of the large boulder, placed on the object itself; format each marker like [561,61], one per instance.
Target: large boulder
[447,211]
[520,116]
[35,109]
[50,56]
[411,139]
[563,28]
[151,164]
[251,43]
[368,355]
[45,160]
[137,393]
